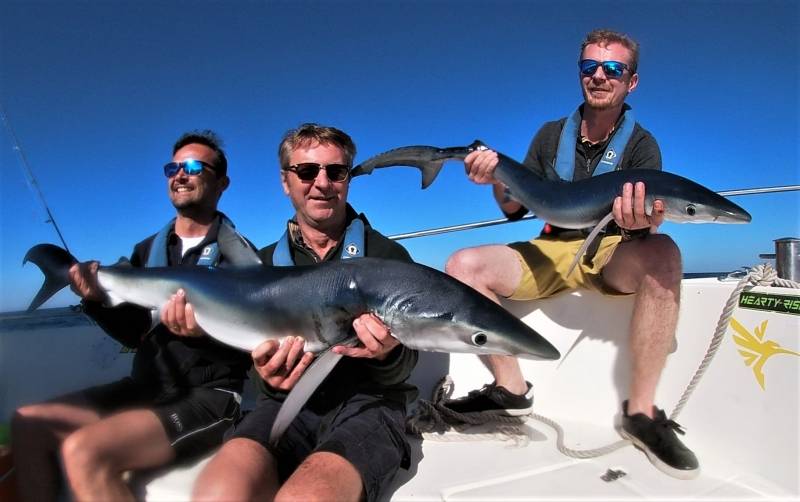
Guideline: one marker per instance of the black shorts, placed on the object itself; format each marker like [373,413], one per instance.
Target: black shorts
[195,422]
[365,430]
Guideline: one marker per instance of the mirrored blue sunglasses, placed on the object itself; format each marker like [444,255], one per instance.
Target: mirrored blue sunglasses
[191,167]
[613,69]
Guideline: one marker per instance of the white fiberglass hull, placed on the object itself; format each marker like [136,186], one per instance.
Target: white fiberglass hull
[745,436]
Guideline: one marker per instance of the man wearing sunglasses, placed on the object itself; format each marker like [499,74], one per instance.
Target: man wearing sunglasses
[348,441]
[600,136]
[183,392]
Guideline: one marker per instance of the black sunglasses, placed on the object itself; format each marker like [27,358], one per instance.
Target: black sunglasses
[613,69]
[191,167]
[308,171]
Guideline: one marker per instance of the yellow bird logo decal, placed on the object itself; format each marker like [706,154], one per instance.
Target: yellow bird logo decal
[755,350]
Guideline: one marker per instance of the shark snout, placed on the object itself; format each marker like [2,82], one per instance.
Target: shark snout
[524,343]
[740,216]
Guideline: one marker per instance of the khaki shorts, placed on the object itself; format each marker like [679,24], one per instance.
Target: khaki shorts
[545,263]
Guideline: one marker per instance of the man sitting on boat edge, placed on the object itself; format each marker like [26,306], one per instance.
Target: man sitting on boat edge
[348,441]
[600,136]
[183,392]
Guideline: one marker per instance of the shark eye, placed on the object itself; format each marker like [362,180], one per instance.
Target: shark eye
[690,210]
[480,338]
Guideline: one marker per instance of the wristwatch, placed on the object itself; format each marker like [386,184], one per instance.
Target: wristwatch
[628,235]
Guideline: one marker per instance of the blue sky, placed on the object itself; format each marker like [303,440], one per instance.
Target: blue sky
[97,92]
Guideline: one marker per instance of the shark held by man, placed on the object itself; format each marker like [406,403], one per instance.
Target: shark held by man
[424,309]
[242,307]
[574,204]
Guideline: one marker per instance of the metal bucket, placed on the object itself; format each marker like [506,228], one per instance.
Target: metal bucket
[787,258]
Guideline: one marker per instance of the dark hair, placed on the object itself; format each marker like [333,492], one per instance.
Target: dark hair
[208,138]
[309,133]
[604,37]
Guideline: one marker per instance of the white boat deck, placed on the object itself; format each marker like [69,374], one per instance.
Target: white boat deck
[746,437]
[501,470]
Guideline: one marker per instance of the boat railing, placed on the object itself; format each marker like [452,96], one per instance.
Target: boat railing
[502,221]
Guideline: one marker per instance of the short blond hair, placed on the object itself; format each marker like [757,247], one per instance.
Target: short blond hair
[604,37]
[310,133]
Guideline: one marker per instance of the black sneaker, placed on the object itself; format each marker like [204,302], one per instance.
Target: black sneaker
[495,400]
[656,438]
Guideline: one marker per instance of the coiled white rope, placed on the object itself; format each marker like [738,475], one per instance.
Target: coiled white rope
[433,418]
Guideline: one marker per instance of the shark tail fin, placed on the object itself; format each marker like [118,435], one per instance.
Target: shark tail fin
[54,262]
[589,239]
[302,391]
[359,170]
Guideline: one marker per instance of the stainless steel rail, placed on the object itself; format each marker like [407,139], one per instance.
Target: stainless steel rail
[503,221]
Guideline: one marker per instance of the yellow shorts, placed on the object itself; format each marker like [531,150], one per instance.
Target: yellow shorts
[545,263]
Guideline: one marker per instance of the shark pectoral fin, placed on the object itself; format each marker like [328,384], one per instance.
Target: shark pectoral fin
[430,170]
[112,299]
[589,239]
[308,383]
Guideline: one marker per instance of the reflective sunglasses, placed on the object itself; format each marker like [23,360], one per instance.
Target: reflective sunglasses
[613,69]
[191,167]
[308,171]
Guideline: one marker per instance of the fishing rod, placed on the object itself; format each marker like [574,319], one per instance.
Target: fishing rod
[29,177]
[503,221]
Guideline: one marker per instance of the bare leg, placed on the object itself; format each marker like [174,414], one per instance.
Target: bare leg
[242,470]
[651,268]
[96,455]
[323,476]
[495,272]
[37,432]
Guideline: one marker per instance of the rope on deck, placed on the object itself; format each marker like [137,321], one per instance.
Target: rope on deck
[432,418]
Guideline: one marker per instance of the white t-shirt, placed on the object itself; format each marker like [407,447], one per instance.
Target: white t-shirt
[188,243]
